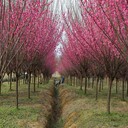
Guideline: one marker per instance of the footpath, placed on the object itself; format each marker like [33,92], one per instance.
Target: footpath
[64,113]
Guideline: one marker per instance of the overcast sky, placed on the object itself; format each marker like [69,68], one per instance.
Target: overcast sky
[57,4]
[65,5]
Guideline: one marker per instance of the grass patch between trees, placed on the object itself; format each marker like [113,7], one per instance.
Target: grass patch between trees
[92,113]
[29,109]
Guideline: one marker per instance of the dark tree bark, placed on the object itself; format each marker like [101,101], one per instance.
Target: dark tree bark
[81,83]
[100,85]
[127,89]
[11,81]
[29,83]
[116,86]
[123,84]
[34,82]
[97,82]
[109,96]
[38,81]
[0,85]
[17,92]
[76,81]
[85,90]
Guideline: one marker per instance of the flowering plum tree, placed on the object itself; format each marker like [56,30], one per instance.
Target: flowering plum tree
[28,37]
[97,39]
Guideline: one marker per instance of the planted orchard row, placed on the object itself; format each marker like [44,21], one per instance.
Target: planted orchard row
[96,44]
[28,38]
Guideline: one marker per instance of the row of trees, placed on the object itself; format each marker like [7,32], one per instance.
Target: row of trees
[97,43]
[29,34]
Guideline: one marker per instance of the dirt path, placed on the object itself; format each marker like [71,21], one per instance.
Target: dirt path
[56,110]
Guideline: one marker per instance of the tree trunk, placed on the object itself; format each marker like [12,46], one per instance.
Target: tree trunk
[93,81]
[85,90]
[8,78]
[116,86]
[32,79]
[123,89]
[76,81]
[109,96]
[11,81]
[127,88]
[97,82]
[34,82]
[24,79]
[17,93]
[88,82]
[38,80]
[100,85]
[29,83]
[19,82]
[81,83]
[0,85]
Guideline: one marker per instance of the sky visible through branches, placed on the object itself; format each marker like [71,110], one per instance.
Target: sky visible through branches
[59,7]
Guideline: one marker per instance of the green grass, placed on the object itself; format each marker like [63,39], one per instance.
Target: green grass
[93,113]
[10,117]
[29,109]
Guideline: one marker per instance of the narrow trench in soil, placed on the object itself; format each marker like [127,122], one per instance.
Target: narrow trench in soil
[56,110]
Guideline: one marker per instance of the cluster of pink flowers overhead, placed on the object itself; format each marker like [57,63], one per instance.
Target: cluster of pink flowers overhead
[100,31]
[111,19]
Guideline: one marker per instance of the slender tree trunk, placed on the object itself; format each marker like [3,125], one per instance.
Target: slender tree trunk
[17,92]
[88,82]
[24,78]
[85,90]
[127,88]
[19,81]
[32,79]
[116,86]
[38,81]
[8,78]
[123,83]
[109,96]
[81,83]
[97,88]
[0,85]
[11,81]
[76,81]
[100,85]
[29,83]
[93,81]
[34,82]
